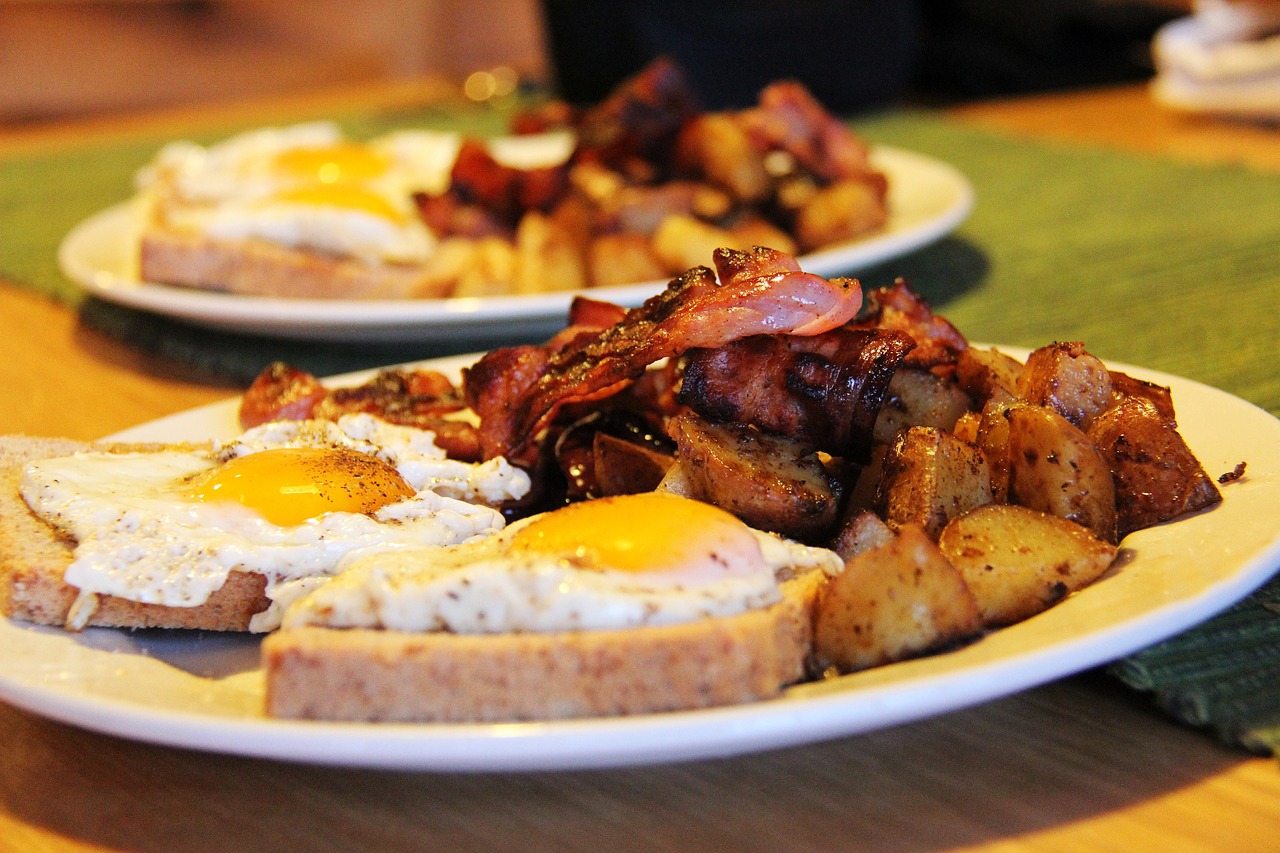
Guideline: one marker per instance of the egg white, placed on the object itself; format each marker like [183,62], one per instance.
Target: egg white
[483,587]
[233,190]
[138,537]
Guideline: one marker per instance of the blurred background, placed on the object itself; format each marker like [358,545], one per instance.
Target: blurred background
[62,59]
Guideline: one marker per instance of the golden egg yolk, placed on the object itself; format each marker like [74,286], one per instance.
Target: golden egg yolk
[345,196]
[345,161]
[649,532]
[288,486]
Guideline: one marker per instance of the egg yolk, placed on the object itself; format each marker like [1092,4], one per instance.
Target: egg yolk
[650,532]
[346,161]
[287,486]
[346,196]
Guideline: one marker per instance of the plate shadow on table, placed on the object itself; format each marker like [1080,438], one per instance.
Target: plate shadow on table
[940,272]
[868,792]
[233,359]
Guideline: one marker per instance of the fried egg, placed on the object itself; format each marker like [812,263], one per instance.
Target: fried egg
[293,501]
[611,563]
[304,186]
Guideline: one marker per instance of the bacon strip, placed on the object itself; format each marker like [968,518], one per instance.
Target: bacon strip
[762,292]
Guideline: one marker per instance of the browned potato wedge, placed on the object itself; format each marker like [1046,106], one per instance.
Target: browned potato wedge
[930,477]
[718,147]
[682,242]
[918,398]
[770,482]
[1157,477]
[890,603]
[624,468]
[983,372]
[486,267]
[614,259]
[547,258]
[841,211]
[1065,378]
[966,428]
[1124,386]
[1056,468]
[757,231]
[861,532]
[864,496]
[1018,561]
[993,439]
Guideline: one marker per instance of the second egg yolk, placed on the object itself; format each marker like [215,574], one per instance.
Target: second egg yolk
[650,532]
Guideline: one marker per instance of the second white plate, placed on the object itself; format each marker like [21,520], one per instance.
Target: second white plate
[927,200]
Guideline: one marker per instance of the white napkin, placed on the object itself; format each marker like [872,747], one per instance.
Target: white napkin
[1224,59]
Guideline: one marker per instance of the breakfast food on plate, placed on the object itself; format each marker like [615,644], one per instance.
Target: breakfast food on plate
[219,536]
[956,489]
[624,605]
[638,188]
[295,211]
[757,476]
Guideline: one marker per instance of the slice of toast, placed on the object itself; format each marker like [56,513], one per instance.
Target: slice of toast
[34,556]
[374,675]
[260,268]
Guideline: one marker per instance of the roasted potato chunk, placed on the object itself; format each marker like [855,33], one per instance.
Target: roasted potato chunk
[547,258]
[717,147]
[841,211]
[1156,475]
[1068,380]
[930,477]
[682,242]
[1018,561]
[892,602]
[770,482]
[987,372]
[861,532]
[614,259]
[919,398]
[624,468]
[1056,468]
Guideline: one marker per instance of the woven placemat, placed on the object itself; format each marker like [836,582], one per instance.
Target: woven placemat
[1167,265]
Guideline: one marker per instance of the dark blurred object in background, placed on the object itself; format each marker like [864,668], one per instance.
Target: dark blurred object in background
[978,48]
[853,54]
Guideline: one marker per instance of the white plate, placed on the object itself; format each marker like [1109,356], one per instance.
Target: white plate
[927,200]
[204,691]
[1205,64]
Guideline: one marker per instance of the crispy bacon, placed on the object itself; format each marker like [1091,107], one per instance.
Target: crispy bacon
[825,390]
[486,197]
[790,119]
[938,343]
[281,392]
[757,293]
[418,398]
[635,128]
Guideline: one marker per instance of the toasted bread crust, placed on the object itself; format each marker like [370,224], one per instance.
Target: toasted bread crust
[260,268]
[34,556]
[372,675]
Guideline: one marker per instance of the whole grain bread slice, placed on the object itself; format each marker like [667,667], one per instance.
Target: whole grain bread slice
[260,268]
[35,555]
[369,675]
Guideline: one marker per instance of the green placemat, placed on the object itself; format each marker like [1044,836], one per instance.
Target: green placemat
[1166,265]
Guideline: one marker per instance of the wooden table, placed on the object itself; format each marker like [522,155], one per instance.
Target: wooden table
[1079,764]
